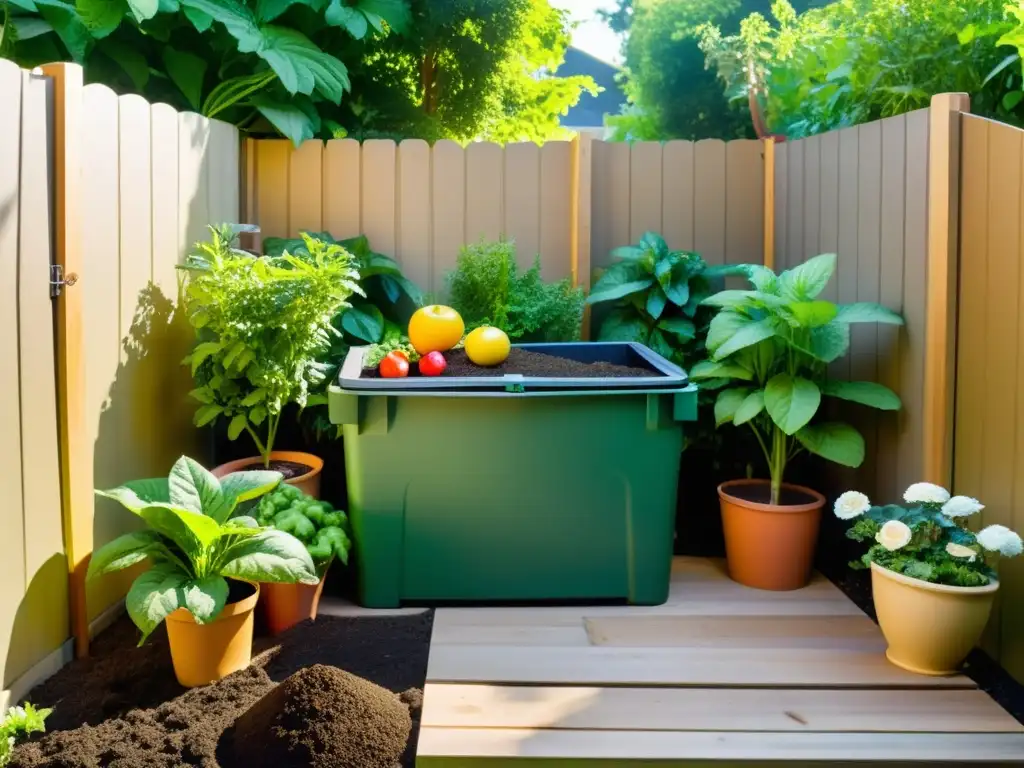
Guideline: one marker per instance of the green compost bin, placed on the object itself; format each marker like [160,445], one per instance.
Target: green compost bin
[512,488]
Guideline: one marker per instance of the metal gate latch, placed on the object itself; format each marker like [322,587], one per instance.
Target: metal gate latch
[57,281]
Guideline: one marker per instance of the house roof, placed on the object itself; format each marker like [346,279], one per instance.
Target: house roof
[590,110]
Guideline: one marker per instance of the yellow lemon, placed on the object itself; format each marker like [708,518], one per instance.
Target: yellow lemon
[487,346]
[435,329]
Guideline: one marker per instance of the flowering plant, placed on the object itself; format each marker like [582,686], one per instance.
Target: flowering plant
[927,538]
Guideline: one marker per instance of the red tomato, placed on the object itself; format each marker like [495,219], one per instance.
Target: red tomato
[433,364]
[402,354]
[394,366]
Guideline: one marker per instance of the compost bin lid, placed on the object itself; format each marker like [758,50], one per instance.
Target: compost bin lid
[663,374]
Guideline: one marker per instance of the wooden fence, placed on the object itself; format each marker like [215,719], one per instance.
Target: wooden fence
[988,447]
[33,567]
[568,202]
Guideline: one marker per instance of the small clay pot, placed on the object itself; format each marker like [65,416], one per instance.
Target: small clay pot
[285,605]
[930,628]
[769,546]
[204,653]
[308,483]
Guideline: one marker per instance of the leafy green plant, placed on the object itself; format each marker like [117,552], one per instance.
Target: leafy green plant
[928,538]
[769,352]
[195,545]
[486,288]
[262,325]
[378,352]
[17,723]
[656,294]
[321,528]
[381,314]
[853,61]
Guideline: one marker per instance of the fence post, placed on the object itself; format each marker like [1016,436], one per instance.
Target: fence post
[582,149]
[769,202]
[941,284]
[75,461]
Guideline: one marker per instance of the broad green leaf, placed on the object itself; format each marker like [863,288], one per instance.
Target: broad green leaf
[203,351]
[205,598]
[628,253]
[27,27]
[379,264]
[830,342]
[840,443]
[364,321]
[657,342]
[186,71]
[288,119]
[866,312]
[682,329]
[69,27]
[728,402]
[236,426]
[752,405]
[411,289]
[206,414]
[813,314]
[396,13]
[258,414]
[678,290]
[236,18]
[151,489]
[654,242]
[195,488]
[127,497]
[1011,59]
[143,9]
[864,392]
[709,369]
[271,556]
[656,302]
[123,552]
[620,280]
[791,401]
[763,279]
[663,273]
[341,15]
[202,394]
[258,395]
[242,521]
[1011,99]
[268,10]
[153,595]
[245,486]
[191,531]
[129,59]
[300,64]
[807,280]
[749,334]
[101,17]
[723,327]
[200,20]
[623,325]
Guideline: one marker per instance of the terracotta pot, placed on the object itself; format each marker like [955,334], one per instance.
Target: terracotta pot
[203,653]
[285,605]
[930,628]
[769,546]
[308,483]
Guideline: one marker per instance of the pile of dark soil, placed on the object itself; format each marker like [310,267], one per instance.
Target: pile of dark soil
[528,363]
[122,708]
[323,717]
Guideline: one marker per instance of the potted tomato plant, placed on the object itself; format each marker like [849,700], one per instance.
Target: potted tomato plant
[261,323]
[323,530]
[769,349]
[932,578]
[206,564]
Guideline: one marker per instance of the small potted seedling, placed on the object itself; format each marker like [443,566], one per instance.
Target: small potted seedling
[324,532]
[933,579]
[769,350]
[261,323]
[206,564]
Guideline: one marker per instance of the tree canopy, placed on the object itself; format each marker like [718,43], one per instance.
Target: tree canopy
[326,68]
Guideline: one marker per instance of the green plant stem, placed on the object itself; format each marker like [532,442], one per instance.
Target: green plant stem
[778,463]
[273,420]
[761,442]
[259,444]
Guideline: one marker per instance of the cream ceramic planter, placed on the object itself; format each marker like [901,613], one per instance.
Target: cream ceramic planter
[930,628]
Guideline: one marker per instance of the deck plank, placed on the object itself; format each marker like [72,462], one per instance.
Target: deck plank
[700,709]
[438,745]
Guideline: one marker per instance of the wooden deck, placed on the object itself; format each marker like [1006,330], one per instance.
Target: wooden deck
[719,675]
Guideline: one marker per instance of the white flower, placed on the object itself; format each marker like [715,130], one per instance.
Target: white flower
[959,550]
[999,538]
[926,493]
[851,504]
[961,506]
[894,535]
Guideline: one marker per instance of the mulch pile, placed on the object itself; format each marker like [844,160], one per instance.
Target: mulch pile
[122,708]
[528,363]
[323,717]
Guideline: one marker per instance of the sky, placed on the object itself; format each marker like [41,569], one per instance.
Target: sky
[592,35]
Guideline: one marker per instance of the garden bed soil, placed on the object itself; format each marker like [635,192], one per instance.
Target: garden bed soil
[122,708]
[526,363]
[290,469]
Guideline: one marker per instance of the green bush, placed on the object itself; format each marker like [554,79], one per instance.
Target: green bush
[263,325]
[321,528]
[486,288]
